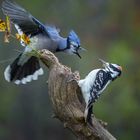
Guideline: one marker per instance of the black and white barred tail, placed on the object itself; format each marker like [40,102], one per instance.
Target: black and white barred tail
[88,114]
[23,71]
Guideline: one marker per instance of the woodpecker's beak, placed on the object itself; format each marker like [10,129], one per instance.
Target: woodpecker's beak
[105,64]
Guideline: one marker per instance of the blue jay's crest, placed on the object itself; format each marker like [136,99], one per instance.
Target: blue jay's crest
[73,37]
[73,43]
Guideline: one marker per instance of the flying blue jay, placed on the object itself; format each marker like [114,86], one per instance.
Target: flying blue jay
[27,68]
[95,83]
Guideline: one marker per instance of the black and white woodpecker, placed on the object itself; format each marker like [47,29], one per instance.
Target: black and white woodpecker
[95,83]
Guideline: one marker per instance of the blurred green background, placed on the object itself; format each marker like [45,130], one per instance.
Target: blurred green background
[109,30]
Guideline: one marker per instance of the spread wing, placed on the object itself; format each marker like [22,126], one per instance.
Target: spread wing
[23,20]
[53,31]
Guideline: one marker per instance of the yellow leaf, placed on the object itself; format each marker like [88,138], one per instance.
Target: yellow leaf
[26,39]
[5,27]
[8,24]
[18,36]
[8,30]
[2,26]
[23,38]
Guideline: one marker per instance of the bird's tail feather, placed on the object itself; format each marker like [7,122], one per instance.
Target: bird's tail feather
[88,114]
[23,70]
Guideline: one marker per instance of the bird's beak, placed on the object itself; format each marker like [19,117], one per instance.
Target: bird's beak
[78,54]
[79,49]
[104,62]
[82,49]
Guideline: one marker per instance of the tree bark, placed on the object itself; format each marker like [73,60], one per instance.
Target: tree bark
[67,101]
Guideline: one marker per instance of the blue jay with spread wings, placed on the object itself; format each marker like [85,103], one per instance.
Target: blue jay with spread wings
[26,68]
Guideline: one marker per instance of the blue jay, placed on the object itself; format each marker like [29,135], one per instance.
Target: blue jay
[95,83]
[27,68]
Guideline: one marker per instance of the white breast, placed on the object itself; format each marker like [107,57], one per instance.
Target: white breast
[87,83]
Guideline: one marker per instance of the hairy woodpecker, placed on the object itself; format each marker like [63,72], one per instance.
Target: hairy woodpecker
[26,68]
[95,83]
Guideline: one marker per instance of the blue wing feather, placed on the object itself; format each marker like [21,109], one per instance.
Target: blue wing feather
[53,31]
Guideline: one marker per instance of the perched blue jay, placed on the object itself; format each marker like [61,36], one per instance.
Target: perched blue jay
[95,83]
[27,68]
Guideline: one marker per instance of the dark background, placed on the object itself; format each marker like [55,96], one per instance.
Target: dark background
[109,29]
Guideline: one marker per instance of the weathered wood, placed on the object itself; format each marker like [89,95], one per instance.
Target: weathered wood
[67,100]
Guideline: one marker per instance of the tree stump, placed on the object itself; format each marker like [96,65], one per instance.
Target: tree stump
[67,101]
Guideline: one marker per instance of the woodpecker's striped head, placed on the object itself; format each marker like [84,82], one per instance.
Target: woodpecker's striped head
[115,70]
[73,43]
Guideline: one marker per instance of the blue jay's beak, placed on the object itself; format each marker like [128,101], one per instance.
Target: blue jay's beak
[79,49]
[82,49]
[77,53]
